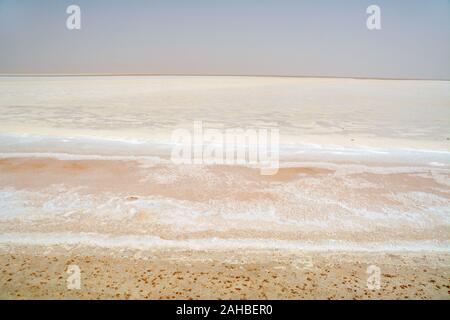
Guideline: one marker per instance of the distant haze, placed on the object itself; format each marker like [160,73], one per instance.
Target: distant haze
[251,37]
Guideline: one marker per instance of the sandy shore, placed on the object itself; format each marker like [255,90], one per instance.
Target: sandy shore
[33,272]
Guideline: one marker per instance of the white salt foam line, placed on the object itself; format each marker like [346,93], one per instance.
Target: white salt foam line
[152,242]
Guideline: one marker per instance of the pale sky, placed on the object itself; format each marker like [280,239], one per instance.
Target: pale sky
[232,37]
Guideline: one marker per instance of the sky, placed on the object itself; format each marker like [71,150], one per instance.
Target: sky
[227,37]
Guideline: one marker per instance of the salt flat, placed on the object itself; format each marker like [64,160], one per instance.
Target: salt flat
[364,171]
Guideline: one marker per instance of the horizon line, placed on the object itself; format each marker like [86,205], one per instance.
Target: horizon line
[207,75]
